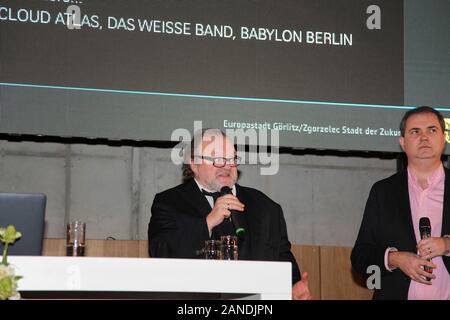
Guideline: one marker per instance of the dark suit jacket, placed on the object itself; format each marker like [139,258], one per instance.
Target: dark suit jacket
[178,228]
[387,222]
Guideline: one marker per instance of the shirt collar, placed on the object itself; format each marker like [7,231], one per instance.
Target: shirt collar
[432,179]
[233,188]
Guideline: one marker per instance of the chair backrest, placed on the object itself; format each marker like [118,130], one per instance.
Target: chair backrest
[26,211]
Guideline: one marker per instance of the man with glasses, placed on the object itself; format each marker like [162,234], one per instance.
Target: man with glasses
[185,216]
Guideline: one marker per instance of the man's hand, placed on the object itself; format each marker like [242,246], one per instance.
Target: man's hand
[433,247]
[300,290]
[411,265]
[222,209]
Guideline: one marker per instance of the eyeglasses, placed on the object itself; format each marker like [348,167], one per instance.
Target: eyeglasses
[220,162]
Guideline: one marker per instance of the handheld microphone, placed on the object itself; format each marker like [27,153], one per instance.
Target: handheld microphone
[425,232]
[238,227]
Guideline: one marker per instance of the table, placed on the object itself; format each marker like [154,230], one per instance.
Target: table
[100,277]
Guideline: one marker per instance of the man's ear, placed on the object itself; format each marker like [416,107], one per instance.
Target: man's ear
[401,140]
[194,168]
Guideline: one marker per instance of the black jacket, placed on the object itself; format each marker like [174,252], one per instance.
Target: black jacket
[387,222]
[178,228]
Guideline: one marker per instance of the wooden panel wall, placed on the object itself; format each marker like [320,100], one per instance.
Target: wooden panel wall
[329,269]
[308,259]
[338,281]
[99,248]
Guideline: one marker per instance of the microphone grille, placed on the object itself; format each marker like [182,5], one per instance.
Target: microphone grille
[425,226]
[424,222]
[225,190]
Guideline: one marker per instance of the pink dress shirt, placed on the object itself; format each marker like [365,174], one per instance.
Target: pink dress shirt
[429,203]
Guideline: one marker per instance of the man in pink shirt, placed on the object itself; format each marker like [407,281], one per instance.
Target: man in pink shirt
[389,236]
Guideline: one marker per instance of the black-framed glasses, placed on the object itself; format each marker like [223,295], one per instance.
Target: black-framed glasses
[220,162]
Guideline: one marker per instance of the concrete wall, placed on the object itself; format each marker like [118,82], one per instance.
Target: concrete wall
[112,188]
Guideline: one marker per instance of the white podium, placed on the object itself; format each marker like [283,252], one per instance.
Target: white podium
[84,275]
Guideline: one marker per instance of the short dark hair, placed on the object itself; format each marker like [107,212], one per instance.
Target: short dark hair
[418,110]
[197,139]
